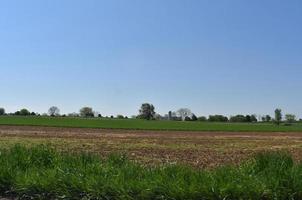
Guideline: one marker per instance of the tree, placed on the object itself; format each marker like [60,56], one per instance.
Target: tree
[187,118]
[73,115]
[278,116]
[194,118]
[147,111]
[2,111]
[54,111]
[158,116]
[183,113]
[86,112]
[240,118]
[266,118]
[254,118]
[24,112]
[290,118]
[120,117]
[248,118]
[202,119]
[218,118]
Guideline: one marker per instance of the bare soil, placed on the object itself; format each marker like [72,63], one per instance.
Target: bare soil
[199,149]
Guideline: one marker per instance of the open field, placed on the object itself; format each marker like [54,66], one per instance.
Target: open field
[147,125]
[199,149]
[87,163]
[42,172]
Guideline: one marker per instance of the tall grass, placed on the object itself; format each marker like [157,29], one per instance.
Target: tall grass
[43,173]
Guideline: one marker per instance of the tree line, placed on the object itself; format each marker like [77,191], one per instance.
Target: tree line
[147,112]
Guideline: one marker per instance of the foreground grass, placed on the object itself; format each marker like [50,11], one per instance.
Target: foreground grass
[42,173]
[146,125]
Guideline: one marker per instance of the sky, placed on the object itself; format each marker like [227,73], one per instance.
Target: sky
[212,56]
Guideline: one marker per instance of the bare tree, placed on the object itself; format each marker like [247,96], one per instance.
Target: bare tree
[54,111]
[290,118]
[183,113]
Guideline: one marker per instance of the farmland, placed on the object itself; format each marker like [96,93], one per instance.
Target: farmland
[74,158]
[137,124]
[198,149]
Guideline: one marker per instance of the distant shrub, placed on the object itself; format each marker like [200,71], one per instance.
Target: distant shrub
[202,119]
[73,115]
[218,118]
[240,118]
[290,118]
[120,117]
[187,118]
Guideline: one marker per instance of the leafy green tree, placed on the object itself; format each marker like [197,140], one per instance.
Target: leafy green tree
[202,119]
[120,117]
[253,118]
[218,118]
[248,118]
[187,118]
[267,118]
[278,116]
[240,118]
[2,111]
[86,112]
[147,111]
[194,118]
[24,112]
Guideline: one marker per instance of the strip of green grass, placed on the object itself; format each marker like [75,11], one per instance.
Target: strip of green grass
[146,125]
[43,173]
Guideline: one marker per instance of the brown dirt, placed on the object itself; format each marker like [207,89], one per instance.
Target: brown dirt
[200,149]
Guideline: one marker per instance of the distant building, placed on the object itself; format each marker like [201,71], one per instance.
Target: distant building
[170,115]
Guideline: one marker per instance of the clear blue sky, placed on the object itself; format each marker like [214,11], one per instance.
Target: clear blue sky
[212,56]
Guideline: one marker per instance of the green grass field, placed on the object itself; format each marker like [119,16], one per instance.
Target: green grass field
[44,173]
[147,125]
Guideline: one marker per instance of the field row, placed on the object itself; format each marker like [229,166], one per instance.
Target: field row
[198,149]
[146,125]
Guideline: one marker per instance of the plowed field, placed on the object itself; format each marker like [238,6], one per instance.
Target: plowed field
[199,149]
